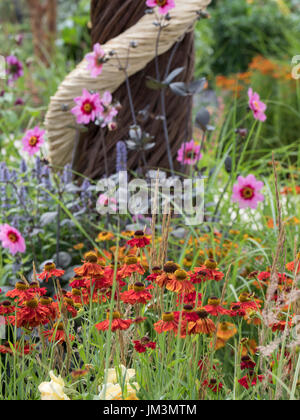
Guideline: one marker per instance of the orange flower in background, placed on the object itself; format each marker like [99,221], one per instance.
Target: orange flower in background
[57,334]
[139,240]
[6,307]
[263,65]
[214,308]
[131,266]
[50,270]
[77,282]
[169,268]
[167,323]
[226,330]
[79,246]
[208,271]
[90,266]
[23,291]
[179,282]
[104,236]
[248,346]
[139,294]
[247,301]
[156,271]
[203,325]
[31,314]
[294,265]
[51,307]
[19,348]
[117,323]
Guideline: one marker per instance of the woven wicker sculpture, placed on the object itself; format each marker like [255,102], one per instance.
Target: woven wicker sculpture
[114,26]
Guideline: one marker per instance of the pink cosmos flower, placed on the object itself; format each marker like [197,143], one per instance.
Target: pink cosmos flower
[95,60]
[257,106]
[14,68]
[11,238]
[105,204]
[88,107]
[164,5]
[109,111]
[33,140]
[189,153]
[246,192]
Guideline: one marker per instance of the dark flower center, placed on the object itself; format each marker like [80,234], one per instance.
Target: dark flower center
[161,3]
[87,107]
[138,287]
[33,141]
[13,237]
[168,317]
[247,193]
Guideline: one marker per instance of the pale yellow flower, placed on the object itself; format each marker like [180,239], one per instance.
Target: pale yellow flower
[112,376]
[53,390]
[114,392]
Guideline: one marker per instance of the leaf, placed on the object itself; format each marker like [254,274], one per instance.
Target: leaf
[203,118]
[197,86]
[179,88]
[172,75]
[154,84]
[149,146]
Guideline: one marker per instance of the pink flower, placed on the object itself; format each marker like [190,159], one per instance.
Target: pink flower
[11,238]
[88,107]
[109,112]
[105,203]
[189,153]
[95,60]
[164,5]
[14,68]
[33,140]
[257,106]
[246,192]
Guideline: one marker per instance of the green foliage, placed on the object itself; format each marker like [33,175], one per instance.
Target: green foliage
[240,30]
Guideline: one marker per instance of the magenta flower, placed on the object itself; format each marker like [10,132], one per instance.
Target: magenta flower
[14,68]
[246,192]
[257,106]
[164,5]
[189,153]
[11,238]
[88,107]
[95,60]
[33,140]
[109,111]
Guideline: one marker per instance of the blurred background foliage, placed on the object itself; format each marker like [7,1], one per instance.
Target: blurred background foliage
[226,43]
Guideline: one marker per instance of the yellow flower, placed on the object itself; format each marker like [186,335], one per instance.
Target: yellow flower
[114,392]
[79,246]
[112,376]
[53,390]
[104,236]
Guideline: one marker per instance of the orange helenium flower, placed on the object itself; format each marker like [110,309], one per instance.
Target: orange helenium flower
[117,323]
[203,325]
[179,282]
[167,323]
[50,270]
[139,294]
[90,266]
[214,308]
